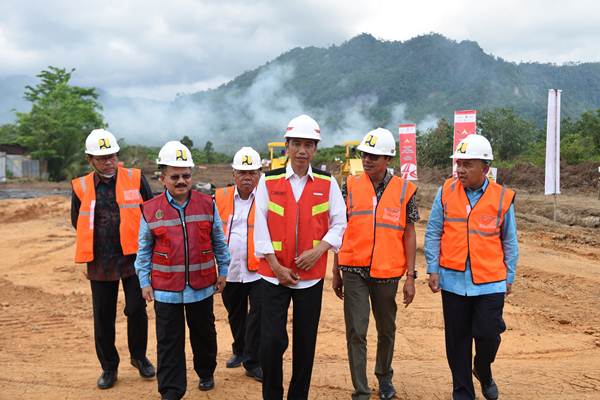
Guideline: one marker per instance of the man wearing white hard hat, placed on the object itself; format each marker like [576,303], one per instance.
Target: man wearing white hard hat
[180,238]
[106,214]
[378,249]
[471,250]
[300,215]
[241,296]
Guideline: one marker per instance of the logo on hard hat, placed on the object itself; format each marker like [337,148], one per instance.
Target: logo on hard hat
[180,155]
[370,140]
[462,148]
[246,159]
[104,143]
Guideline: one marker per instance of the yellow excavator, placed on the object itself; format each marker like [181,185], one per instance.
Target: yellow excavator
[277,155]
[352,164]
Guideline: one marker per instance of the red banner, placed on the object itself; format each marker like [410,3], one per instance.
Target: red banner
[465,124]
[408,151]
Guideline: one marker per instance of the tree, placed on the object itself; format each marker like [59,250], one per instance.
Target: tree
[187,142]
[61,117]
[209,152]
[509,134]
[9,134]
[434,147]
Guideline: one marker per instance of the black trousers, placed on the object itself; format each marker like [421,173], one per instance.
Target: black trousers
[477,318]
[104,303]
[243,321]
[307,311]
[170,337]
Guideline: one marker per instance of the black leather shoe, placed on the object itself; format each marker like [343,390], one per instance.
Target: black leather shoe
[107,379]
[235,361]
[386,390]
[206,384]
[144,366]
[489,389]
[255,373]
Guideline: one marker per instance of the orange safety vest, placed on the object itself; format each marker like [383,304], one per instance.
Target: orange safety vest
[474,233]
[224,198]
[128,198]
[297,226]
[375,232]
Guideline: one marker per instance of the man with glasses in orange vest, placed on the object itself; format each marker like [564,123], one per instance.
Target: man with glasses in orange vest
[472,250]
[105,211]
[300,215]
[236,209]
[378,249]
[181,263]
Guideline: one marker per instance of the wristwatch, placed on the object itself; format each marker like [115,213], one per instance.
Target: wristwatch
[414,274]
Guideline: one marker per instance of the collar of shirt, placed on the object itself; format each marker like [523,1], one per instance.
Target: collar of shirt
[174,203]
[479,189]
[237,194]
[289,172]
[97,179]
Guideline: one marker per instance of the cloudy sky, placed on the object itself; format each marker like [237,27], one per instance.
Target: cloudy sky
[156,48]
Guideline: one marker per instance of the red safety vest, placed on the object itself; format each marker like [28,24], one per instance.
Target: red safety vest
[183,251]
[375,232]
[297,226]
[128,197]
[474,234]
[226,207]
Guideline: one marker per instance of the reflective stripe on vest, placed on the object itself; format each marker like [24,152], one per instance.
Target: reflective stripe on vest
[182,252]
[474,233]
[297,226]
[128,198]
[375,231]
[225,199]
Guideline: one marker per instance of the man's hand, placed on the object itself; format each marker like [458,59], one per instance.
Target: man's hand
[409,291]
[308,258]
[434,282]
[148,293]
[508,288]
[337,284]
[220,285]
[285,276]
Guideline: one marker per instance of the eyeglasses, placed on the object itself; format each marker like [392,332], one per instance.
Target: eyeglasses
[185,177]
[373,157]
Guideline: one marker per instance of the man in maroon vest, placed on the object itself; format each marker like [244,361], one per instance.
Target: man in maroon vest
[180,237]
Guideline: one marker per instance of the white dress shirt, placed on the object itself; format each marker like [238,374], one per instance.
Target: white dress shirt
[337,219]
[238,246]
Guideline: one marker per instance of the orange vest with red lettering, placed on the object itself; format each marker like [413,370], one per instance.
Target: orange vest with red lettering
[224,198]
[297,226]
[183,251]
[474,233]
[128,197]
[375,232]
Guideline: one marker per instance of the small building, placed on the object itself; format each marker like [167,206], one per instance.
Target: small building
[16,163]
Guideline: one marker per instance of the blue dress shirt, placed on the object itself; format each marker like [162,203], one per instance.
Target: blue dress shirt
[143,262]
[459,282]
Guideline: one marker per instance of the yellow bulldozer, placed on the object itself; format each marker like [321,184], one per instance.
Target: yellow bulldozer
[277,155]
[352,164]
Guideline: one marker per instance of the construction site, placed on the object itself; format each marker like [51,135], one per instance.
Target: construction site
[551,349]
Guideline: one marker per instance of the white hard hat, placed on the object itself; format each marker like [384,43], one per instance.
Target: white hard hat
[101,142]
[380,142]
[175,154]
[473,147]
[303,127]
[246,159]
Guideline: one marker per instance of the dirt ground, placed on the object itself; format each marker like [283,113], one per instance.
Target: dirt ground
[551,349]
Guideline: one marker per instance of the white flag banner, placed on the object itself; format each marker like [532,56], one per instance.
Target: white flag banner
[552,185]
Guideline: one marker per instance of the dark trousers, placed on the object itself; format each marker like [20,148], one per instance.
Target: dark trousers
[104,303]
[244,322]
[466,319]
[307,311]
[170,337]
